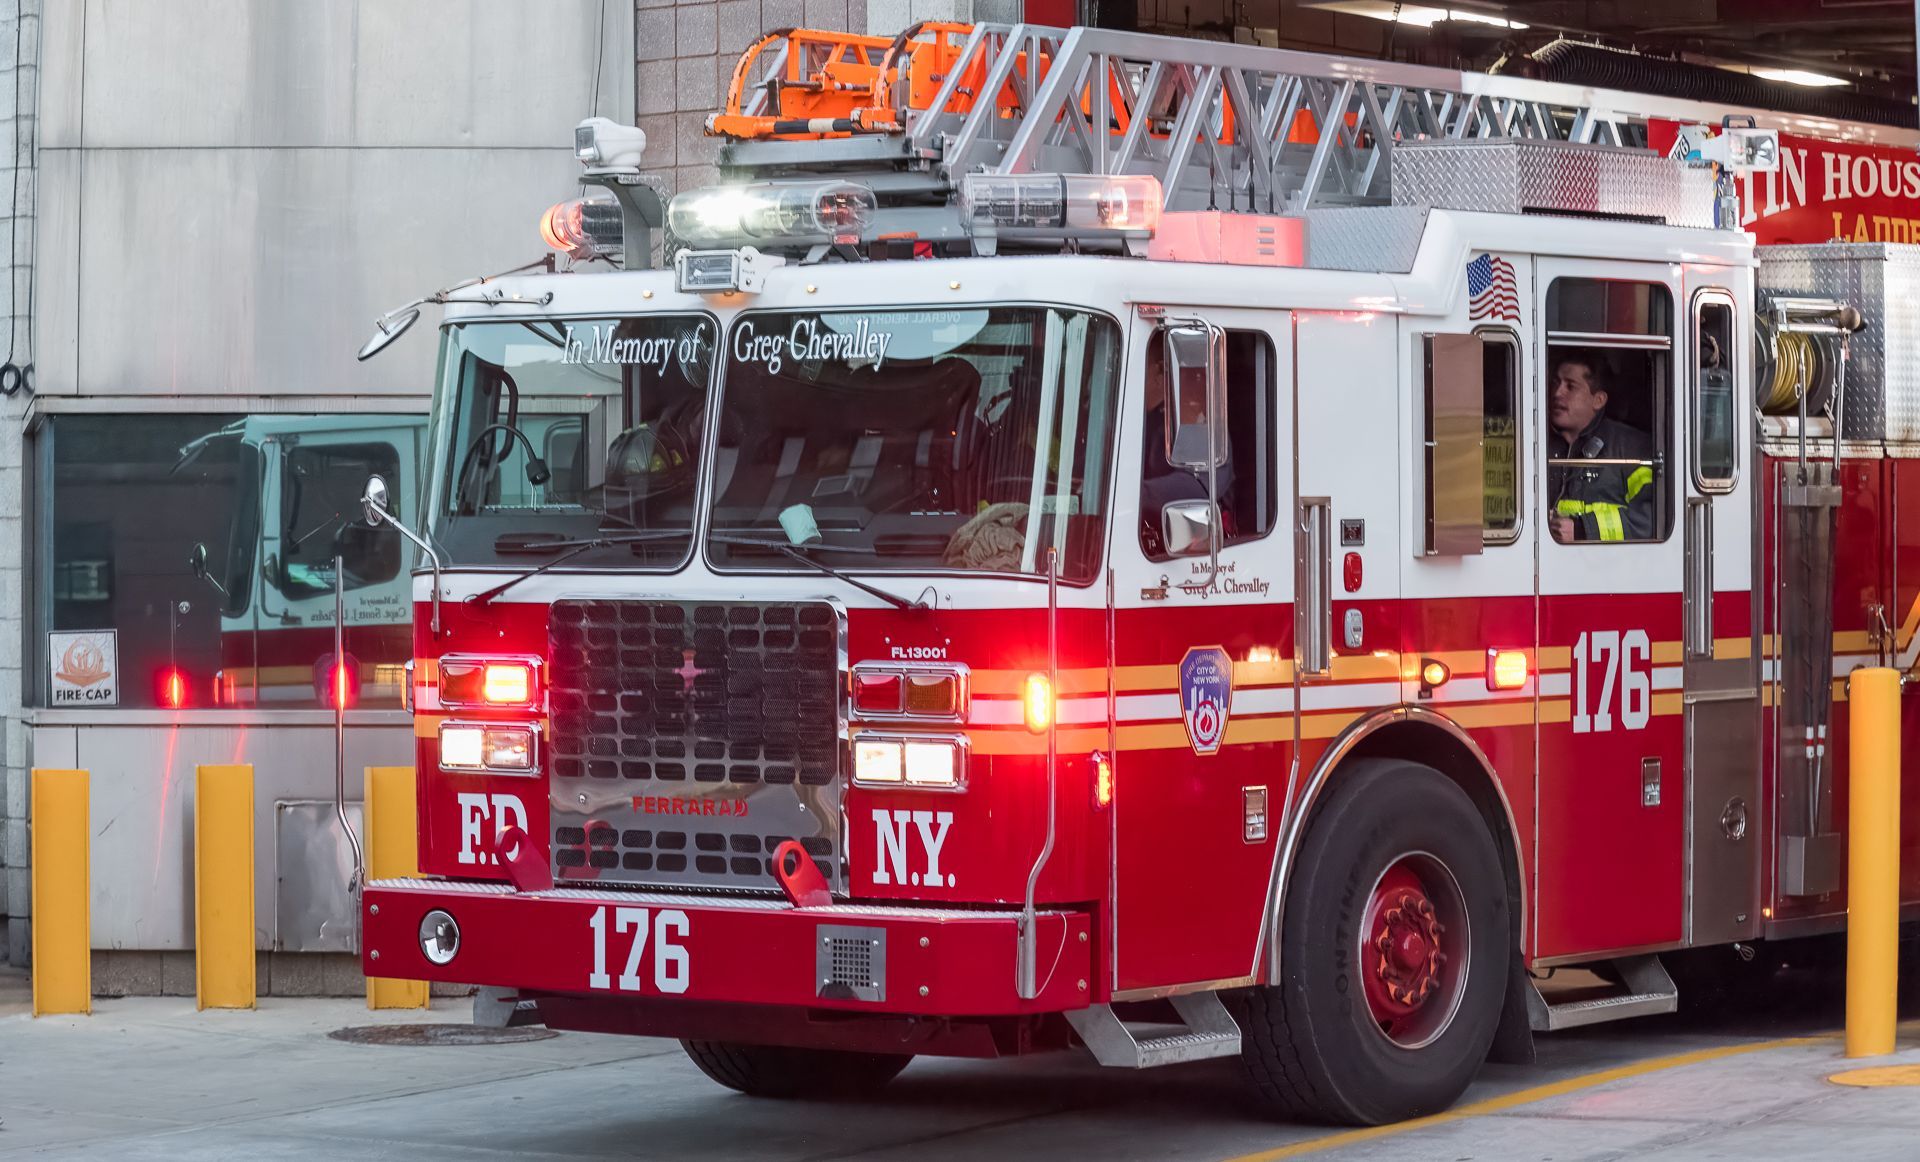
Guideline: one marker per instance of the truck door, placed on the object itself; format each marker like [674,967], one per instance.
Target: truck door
[1609,436]
[310,502]
[1721,680]
[1201,645]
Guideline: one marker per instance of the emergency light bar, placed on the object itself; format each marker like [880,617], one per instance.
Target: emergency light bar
[788,212]
[1057,205]
[583,228]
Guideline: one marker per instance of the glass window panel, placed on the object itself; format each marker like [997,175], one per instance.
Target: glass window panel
[583,428]
[1715,425]
[1248,481]
[1609,411]
[950,439]
[1500,455]
[207,543]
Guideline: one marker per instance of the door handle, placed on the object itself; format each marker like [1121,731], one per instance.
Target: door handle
[1699,593]
[1313,587]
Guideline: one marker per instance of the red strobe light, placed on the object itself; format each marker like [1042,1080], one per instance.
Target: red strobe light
[170,688]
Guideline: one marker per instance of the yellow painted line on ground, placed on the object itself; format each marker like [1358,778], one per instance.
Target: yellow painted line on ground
[1527,1097]
[1879,1076]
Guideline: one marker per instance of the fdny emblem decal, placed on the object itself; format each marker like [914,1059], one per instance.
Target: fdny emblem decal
[1492,291]
[1206,696]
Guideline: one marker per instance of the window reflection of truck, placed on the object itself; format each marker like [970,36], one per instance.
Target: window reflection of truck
[298,487]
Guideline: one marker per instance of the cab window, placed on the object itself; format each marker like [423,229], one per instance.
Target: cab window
[1608,409]
[1714,424]
[1500,412]
[1247,481]
[320,489]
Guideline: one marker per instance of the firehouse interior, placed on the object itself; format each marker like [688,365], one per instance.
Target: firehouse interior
[1347,540]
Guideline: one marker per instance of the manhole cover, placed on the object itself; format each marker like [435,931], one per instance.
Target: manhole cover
[438,1034]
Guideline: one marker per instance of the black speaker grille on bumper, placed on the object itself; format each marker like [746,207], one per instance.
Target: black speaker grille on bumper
[690,738]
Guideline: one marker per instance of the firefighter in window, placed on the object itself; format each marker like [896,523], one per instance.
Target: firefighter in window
[1612,499]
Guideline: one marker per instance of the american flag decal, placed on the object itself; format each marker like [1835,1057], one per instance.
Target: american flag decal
[1491,289]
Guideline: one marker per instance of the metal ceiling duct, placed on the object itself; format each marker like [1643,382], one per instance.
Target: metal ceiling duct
[1579,63]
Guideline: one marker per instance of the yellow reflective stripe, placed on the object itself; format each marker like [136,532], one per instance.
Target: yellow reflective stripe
[1607,517]
[1638,479]
[1571,508]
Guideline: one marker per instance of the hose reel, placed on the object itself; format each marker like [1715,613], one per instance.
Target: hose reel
[1798,351]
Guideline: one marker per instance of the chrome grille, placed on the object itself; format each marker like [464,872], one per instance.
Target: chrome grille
[690,738]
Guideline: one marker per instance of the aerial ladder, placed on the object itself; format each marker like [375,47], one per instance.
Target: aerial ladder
[1221,126]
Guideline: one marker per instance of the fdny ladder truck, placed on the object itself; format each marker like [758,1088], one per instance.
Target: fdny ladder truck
[1177,548]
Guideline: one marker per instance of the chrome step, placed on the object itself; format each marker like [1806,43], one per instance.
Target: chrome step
[1646,989]
[1209,1031]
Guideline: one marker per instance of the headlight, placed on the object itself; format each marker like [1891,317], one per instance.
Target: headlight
[936,764]
[474,746]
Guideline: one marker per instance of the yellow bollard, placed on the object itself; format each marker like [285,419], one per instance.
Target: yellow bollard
[223,903]
[1873,860]
[62,940]
[393,850]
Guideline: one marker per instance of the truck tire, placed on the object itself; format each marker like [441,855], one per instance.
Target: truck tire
[785,1072]
[1394,954]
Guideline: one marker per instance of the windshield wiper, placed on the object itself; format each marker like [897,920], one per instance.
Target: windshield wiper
[797,554]
[573,548]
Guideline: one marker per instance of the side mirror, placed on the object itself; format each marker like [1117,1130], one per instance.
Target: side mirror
[374,506]
[197,561]
[387,328]
[1186,527]
[373,501]
[1196,365]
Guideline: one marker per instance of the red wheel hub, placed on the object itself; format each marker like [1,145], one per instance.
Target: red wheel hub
[1408,953]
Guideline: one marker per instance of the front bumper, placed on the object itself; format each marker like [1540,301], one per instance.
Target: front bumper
[729,950]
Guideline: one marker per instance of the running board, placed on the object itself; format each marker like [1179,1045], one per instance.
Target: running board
[1646,989]
[1210,1032]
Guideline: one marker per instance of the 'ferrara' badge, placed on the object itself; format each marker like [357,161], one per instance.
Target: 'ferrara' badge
[1206,696]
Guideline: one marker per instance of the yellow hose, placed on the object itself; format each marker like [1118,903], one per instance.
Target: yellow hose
[1793,367]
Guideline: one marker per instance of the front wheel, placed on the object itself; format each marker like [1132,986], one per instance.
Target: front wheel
[784,1071]
[1394,949]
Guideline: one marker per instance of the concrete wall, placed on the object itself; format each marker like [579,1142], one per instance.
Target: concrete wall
[228,194]
[19,84]
[286,172]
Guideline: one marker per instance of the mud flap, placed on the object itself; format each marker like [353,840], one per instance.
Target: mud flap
[498,1008]
[1513,1036]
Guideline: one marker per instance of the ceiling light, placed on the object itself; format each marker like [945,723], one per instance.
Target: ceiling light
[1419,14]
[1799,77]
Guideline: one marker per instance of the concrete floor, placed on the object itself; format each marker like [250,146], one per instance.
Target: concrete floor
[151,1078]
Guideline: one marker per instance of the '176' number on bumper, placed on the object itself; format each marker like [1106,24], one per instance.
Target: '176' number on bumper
[670,961]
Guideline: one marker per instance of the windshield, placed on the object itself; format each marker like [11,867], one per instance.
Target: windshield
[970,439]
[553,431]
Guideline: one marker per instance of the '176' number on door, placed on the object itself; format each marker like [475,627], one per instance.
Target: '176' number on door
[1621,665]
[669,959]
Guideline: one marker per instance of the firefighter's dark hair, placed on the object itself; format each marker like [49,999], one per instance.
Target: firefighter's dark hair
[1599,371]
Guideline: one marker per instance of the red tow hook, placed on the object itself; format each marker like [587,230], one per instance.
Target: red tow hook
[799,876]
[526,866]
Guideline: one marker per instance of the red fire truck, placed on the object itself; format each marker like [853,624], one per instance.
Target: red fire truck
[1182,549]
